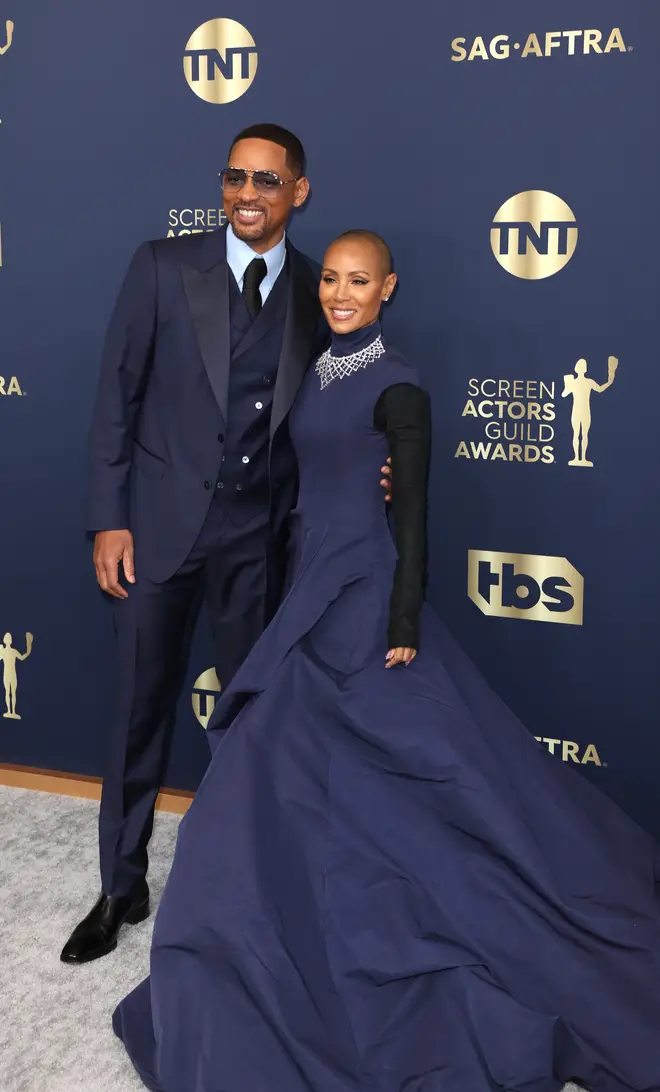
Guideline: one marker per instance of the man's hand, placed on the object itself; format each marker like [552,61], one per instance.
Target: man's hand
[386,482]
[111,548]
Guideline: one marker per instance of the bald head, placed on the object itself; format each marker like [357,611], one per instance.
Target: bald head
[381,247]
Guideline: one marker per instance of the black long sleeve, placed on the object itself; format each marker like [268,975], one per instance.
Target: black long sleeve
[403,414]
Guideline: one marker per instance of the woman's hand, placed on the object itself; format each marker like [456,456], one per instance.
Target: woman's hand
[400,656]
[386,481]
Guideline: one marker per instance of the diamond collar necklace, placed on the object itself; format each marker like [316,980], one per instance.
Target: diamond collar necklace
[329,367]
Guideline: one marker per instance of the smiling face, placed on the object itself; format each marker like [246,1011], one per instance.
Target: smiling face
[354,283]
[256,218]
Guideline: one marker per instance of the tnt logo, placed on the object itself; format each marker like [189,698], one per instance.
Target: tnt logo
[528,586]
[534,235]
[220,60]
[205,693]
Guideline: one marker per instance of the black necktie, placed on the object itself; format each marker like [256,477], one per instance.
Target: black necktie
[254,274]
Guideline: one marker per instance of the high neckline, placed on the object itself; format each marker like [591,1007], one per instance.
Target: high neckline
[352,342]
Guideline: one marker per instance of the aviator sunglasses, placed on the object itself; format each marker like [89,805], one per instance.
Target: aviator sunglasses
[267,183]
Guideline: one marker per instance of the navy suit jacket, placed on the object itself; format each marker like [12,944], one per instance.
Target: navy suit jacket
[160,417]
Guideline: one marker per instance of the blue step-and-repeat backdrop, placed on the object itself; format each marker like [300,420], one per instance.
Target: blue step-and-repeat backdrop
[508,152]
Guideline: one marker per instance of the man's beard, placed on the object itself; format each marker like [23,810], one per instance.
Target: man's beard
[249,233]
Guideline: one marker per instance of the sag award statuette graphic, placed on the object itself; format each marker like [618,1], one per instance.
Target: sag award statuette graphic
[580,388]
[9,656]
[9,37]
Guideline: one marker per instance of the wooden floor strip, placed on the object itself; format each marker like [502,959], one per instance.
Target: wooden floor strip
[64,784]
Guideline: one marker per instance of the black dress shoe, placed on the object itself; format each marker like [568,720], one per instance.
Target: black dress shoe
[96,935]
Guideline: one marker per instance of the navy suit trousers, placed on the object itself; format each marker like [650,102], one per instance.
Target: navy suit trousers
[154,628]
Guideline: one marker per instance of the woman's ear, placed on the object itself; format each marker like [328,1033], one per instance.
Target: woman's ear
[388,286]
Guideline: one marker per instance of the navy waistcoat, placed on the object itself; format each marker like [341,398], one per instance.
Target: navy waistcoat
[255,354]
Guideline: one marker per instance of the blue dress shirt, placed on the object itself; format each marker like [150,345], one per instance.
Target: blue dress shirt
[239,256]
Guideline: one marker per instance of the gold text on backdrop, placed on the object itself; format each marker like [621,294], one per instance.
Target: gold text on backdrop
[205,692]
[10,386]
[533,235]
[194,221]
[569,751]
[517,417]
[570,43]
[220,60]
[528,586]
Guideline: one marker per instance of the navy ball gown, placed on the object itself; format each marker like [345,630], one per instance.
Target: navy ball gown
[385,883]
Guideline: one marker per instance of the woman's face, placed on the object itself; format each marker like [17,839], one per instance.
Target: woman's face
[353,284]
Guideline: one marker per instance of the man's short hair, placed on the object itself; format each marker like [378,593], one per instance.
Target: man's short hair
[295,153]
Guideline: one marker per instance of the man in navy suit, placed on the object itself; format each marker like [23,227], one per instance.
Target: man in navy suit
[192,477]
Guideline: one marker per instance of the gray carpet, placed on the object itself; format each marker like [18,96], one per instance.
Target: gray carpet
[55,1032]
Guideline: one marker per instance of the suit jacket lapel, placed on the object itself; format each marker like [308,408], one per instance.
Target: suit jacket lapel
[301,323]
[207,290]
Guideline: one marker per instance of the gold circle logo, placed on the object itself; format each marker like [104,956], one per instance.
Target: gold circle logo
[534,235]
[220,61]
[205,692]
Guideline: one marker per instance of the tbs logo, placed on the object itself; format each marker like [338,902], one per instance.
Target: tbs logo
[528,586]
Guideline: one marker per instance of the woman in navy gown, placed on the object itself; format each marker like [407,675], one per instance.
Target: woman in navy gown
[384,883]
